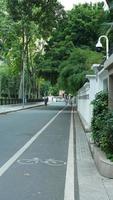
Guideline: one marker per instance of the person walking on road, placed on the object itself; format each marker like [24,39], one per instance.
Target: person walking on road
[46,101]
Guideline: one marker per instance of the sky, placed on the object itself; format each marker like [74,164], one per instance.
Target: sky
[68,4]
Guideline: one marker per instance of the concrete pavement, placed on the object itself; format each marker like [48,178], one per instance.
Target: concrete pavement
[92,186]
[16,107]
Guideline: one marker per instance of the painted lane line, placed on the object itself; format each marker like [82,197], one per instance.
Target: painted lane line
[69,183]
[8,164]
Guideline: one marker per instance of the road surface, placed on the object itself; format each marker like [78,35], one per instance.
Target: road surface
[37,154]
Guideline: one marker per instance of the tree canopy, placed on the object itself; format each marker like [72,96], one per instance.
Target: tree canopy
[51,45]
[72,43]
[74,70]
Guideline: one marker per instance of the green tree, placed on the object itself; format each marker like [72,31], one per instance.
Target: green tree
[35,19]
[73,71]
[80,28]
[27,25]
[85,23]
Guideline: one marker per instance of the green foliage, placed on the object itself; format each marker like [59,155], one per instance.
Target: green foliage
[44,88]
[106,139]
[102,124]
[9,82]
[25,22]
[84,24]
[80,30]
[100,108]
[54,90]
[73,71]
[100,103]
[45,14]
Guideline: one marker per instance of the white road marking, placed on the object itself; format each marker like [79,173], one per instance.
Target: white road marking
[8,164]
[36,160]
[69,183]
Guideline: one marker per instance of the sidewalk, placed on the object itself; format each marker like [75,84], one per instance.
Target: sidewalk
[92,186]
[17,107]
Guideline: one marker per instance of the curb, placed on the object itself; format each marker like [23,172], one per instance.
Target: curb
[85,126]
[19,109]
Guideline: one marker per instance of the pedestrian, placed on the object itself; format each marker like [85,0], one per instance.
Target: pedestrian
[46,101]
[71,100]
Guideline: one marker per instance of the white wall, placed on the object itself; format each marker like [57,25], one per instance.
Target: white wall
[84,98]
[102,80]
[86,95]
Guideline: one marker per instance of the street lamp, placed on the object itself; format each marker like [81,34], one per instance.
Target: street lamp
[99,45]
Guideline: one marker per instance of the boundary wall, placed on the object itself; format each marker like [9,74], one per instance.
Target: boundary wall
[84,98]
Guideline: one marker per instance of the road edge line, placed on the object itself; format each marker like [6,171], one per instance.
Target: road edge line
[69,183]
[10,162]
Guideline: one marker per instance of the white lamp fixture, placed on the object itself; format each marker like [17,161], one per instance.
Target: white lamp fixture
[99,45]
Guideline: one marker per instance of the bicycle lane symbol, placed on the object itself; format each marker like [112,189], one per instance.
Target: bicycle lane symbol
[36,160]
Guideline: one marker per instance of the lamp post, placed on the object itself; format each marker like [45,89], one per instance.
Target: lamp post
[99,45]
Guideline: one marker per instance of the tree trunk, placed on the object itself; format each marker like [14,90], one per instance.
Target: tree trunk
[20,86]
[39,96]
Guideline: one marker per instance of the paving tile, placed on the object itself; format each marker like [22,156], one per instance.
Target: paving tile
[92,186]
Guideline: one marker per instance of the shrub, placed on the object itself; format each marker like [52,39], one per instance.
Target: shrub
[100,108]
[106,139]
[102,124]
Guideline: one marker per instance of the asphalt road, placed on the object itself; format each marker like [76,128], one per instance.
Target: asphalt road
[33,153]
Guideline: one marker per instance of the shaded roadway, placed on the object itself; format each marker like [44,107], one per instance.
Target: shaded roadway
[38,179]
